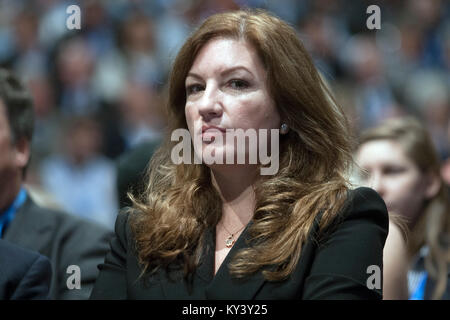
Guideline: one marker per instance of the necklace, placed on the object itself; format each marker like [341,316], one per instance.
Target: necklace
[230,240]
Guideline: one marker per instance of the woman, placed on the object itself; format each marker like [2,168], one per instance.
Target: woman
[226,231]
[399,161]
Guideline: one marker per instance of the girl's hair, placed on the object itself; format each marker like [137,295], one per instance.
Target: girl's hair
[180,202]
[433,225]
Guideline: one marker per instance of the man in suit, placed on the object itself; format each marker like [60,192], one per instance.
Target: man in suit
[24,274]
[65,239]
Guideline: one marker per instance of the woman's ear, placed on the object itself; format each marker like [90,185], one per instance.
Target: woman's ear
[433,185]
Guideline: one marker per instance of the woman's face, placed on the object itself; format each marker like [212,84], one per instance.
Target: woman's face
[226,89]
[394,176]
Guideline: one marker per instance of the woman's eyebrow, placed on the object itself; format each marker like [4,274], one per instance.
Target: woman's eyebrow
[194,75]
[236,68]
[222,73]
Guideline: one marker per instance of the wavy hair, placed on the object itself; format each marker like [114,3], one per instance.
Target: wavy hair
[180,203]
[433,225]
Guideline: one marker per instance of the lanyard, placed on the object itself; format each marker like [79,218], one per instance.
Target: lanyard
[7,216]
[419,292]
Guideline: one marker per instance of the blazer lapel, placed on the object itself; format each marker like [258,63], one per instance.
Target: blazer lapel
[29,230]
[207,286]
[225,286]
[178,288]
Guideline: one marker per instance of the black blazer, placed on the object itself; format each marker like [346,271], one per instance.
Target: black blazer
[333,267]
[24,274]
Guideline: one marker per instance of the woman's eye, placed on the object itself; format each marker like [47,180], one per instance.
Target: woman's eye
[393,170]
[193,89]
[238,84]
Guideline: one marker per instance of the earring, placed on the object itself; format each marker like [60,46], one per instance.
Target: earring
[284,128]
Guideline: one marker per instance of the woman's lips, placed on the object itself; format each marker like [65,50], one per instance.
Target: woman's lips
[209,132]
[212,128]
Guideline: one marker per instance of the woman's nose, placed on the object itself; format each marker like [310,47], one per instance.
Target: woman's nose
[210,105]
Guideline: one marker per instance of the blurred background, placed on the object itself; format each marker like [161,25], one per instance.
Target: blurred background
[98,91]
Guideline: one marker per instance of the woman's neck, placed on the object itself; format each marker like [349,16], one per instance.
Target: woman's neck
[235,187]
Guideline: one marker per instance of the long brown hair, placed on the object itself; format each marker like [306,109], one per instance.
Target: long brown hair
[433,224]
[180,202]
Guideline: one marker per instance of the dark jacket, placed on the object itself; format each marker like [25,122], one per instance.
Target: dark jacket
[333,267]
[131,169]
[24,274]
[66,240]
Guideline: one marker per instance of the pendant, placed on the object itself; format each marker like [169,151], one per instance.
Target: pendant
[229,241]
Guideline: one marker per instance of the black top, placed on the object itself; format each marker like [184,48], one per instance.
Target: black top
[336,267]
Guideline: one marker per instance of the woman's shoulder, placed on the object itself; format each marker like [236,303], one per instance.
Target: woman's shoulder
[363,206]
[366,199]
[351,243]
[122,226]
[366,203]
[123,216]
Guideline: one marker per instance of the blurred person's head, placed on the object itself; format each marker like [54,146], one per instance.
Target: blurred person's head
[399,161]
[75,62]
[16,130]
[412,41]
[320,34]
[42,92]
[93,13]
[26,27]
[427,91]
[425,13]
[363,59]
[137,34]
[83,139]
[140,103]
